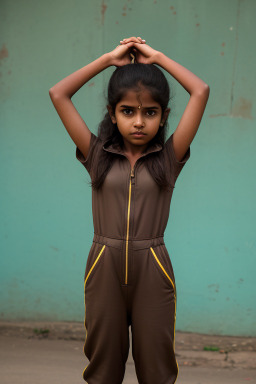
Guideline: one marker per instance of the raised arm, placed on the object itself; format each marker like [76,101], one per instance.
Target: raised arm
[192,116]
[197,88]
[62,92]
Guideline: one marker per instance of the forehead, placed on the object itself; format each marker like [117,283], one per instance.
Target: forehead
[135,98]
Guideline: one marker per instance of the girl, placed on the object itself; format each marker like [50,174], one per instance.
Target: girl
[129,280]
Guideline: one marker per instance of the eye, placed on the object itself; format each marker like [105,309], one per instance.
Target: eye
[151,112]
[127,111]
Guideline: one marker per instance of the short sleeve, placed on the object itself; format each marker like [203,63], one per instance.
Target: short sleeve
[95,146]
[176,166]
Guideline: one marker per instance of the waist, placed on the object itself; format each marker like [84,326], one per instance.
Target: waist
[134,243]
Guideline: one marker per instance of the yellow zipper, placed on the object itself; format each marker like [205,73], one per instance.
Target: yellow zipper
[128,222]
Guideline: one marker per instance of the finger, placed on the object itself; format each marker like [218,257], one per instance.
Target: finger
[138,45]
[141,48]
[125,41]
[134,39]
[127,45]
[141,40]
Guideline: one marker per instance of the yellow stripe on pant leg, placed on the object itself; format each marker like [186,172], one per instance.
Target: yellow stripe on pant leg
[169,278]
[95,262]
[160,265]
[97,259]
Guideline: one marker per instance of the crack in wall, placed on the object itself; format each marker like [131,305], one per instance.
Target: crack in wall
[235,58]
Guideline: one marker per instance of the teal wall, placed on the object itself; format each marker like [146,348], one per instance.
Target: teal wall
[46,218]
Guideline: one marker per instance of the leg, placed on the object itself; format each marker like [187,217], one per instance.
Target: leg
[153,319]
[107,336]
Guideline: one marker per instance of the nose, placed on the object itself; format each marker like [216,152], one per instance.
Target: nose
[138,122]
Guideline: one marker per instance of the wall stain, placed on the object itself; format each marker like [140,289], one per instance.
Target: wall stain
[223,45]
[214,286]
[235,58]
[3,52]
[242,108]
[197,25]
[91,84]
[103,11]
[220,115]
[55,249]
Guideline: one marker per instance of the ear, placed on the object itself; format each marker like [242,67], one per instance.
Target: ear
[165,116]
[111,114]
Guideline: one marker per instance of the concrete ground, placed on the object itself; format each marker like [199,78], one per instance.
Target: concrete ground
[40,353]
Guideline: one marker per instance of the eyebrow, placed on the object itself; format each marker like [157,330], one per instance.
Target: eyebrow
[128,106]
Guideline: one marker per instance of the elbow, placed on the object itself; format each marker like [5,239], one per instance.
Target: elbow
[51,93]
[207,89]
[56,95]
[204,91]
[207,92]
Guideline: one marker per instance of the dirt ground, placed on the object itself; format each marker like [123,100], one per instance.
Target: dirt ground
[192,349]
[76,331]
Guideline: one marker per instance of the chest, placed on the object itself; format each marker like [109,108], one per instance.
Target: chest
[132,160]
[124,171]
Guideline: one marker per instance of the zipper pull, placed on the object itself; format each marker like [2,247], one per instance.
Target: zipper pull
[132,172]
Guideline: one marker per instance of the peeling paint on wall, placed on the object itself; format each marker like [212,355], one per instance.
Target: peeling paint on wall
[242,108]
[103,11]
[4,52]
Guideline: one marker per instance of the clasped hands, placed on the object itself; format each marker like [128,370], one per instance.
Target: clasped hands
[133,48]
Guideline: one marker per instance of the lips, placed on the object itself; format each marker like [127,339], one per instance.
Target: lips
[138,133]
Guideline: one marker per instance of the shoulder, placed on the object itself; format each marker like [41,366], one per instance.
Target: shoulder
[171,162]
[95,147]
[169,149]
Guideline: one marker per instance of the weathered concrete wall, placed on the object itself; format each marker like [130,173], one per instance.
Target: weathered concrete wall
[46,221]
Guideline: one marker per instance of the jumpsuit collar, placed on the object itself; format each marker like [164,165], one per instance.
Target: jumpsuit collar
[110,147]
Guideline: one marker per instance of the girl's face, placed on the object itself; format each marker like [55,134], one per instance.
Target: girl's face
[138,111]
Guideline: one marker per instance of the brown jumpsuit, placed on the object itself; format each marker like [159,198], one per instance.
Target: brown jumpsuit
[129,279]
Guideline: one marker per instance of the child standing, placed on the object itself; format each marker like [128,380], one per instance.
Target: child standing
[129,279]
